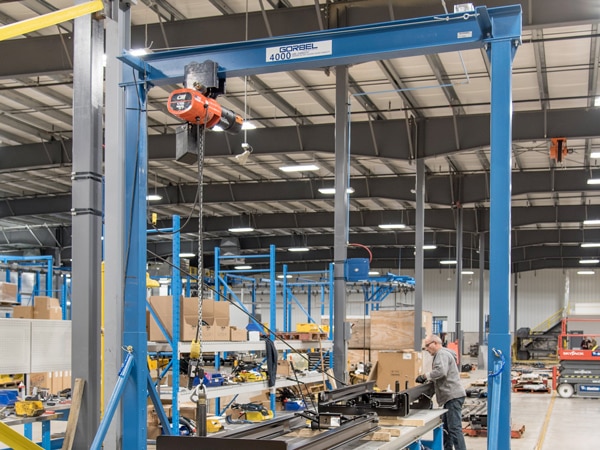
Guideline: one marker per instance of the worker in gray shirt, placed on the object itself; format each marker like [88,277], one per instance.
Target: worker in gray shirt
[449,391]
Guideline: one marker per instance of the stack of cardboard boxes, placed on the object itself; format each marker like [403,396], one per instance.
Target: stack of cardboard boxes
[215,316]
[53,382]
[47,308]
[8,292]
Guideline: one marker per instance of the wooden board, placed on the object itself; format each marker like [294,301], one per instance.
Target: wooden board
[361,331]
[73,414]
[394,330]
[356,356]
[414,419]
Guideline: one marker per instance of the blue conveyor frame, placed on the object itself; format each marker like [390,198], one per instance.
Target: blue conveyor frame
[498,30]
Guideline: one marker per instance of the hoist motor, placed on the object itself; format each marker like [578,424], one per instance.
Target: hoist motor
[195,108]
[195,104]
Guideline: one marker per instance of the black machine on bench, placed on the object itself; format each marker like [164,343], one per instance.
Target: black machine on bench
[346,414]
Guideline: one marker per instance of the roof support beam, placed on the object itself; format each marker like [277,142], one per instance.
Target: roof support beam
[46,54]
[473,131]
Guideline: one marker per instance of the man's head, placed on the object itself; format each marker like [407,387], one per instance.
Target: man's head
[432,344]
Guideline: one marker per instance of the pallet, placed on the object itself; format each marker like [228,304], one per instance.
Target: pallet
[544,390]
[516,431]
[292,335]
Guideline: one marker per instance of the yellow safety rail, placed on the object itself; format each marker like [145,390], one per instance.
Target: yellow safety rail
[16,440]
[47,20]
[550,321]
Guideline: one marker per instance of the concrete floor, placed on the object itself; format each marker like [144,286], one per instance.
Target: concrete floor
[570,423]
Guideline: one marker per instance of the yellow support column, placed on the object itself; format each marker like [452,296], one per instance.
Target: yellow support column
[47,20]
[15,440]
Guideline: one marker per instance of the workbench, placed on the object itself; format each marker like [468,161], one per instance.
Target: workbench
[428,433]
[411,437]
[58,412]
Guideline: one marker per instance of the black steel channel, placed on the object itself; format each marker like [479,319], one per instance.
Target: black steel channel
[330,439]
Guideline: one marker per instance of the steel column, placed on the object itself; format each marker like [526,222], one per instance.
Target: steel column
[481,288]
[87,219]
[501,55]
[459,267]
[341,226]
[177,304]
[134,335]
[117,39]
[419,256]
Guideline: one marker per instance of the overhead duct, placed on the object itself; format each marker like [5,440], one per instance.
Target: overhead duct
[230,246]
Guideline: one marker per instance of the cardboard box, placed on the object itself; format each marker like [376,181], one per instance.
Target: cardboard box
[153,429]
[208,333]
[45,302]
[22,312]
[220,333]
[238,334]
[46,308]
[40,380]
[163,307]
[215,313]
[284,368]
[403,366]
[8,292]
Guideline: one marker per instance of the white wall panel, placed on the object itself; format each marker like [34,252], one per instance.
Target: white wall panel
[15,345]
[540,294]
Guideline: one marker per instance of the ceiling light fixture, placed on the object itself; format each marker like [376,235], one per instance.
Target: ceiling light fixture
[187,255]
[248,126]
[591,222]
[298,249]
[589,261]
[281,276]
[467,272]
[593,181]
[585,272]
[595,154]
[242,158]
[597,101]
[300,168]
[153,197]
[138,51]
[373,273]
[448,262]
[590,244]
[331,191]
[244,267]
[391,226]
[241,229]
[429,247]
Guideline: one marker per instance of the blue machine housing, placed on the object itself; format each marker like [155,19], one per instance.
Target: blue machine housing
[356,269]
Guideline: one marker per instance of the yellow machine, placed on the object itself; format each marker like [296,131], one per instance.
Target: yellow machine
[246,376]
[248,412]
[29,408]
[213,425]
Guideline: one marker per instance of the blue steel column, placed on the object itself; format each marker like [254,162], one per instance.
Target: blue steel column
[501,54]
[134,314]
[177,304]
[272,291]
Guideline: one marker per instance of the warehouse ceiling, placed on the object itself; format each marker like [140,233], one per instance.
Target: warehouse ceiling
[434,107]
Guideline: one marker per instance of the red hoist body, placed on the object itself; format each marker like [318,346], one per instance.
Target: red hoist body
[558,149]
[195,108]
